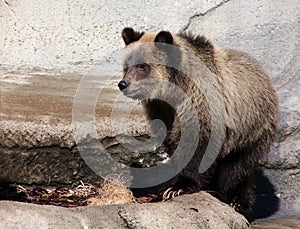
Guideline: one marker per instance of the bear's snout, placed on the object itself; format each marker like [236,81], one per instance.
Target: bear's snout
[122,85]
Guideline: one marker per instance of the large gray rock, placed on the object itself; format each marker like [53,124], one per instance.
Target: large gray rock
[192,211]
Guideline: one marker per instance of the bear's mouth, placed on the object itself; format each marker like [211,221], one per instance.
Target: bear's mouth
[135,93]
[139,90]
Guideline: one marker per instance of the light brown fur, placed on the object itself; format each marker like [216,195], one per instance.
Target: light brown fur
[250,111]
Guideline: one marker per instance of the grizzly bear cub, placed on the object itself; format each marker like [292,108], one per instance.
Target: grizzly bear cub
[217,105]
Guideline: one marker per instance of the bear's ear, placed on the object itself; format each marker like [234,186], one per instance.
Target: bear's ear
[129,35]
[164,37]
[164,41]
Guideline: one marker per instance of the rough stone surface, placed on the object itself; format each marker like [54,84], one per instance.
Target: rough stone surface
[37,109]
[279,223]
[199,210]
[37,144]
[73,36]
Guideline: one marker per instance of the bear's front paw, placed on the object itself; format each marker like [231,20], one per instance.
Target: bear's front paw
[235,205]
[171,193]
[241,205]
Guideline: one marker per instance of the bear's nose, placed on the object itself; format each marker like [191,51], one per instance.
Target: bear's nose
[122,85]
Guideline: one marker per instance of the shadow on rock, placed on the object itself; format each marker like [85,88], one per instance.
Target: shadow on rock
[266,203]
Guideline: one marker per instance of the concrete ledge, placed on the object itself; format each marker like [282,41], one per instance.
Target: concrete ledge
[37,144]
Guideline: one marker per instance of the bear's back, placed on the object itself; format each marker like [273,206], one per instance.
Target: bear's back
[251,101]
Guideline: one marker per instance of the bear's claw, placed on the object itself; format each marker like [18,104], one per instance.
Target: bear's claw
[170,193]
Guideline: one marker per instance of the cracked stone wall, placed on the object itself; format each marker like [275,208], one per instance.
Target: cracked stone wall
[72,36]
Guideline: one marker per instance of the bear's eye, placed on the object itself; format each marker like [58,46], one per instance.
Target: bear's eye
[142,67]
[125,68]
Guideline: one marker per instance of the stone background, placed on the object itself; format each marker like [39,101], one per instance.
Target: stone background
[70,37]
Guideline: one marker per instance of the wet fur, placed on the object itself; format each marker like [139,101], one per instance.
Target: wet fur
[251,117]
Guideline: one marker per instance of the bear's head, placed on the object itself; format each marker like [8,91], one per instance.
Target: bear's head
[148,62]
